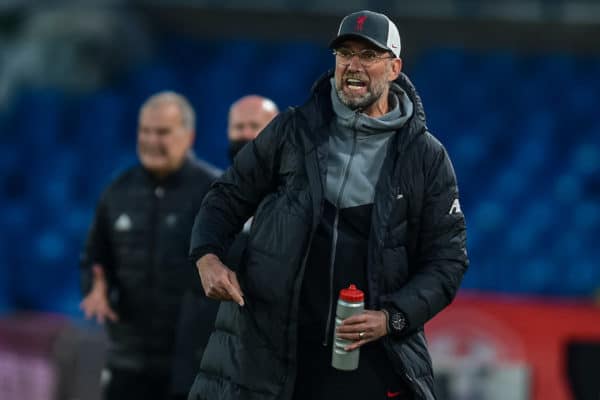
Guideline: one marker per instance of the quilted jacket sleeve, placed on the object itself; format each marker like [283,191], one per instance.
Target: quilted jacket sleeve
[441,254]
[235,196]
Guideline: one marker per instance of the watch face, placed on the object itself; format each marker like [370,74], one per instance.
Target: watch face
[398,321]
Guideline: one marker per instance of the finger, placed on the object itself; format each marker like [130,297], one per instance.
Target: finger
[234,291]
[236,285]
[87,311]
[111,315]
[212,293]
[354,336]
[350,335]
[352,329]
[217,292]
[356,345]
[212,277]
[208,289]
[355,319]
[360,339]
[98,271]
[234,281]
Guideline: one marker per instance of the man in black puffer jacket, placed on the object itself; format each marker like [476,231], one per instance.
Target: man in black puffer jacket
[348,188]
[135,267]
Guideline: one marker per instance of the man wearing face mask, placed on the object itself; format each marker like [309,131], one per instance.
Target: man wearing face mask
[247,117]
[134,265]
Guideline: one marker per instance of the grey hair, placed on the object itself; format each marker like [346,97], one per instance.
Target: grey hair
[188,116]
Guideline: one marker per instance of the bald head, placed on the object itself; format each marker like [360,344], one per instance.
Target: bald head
[248,116]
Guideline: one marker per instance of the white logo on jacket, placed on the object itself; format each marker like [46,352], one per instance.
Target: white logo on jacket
[455,208]
[123,223]
[171,220]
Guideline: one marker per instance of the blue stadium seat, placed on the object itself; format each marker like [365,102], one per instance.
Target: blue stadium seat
[585,159]
[150,78]
[50,246]
[535,275]
[567,188]
[586,216]
[39,119]
[100,120]
[580,279]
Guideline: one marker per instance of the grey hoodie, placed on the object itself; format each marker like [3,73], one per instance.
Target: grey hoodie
[357,148]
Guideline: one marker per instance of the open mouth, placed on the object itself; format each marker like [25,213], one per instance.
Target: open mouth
[353,83]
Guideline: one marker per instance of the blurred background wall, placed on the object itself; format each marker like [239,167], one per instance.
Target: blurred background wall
[511,88]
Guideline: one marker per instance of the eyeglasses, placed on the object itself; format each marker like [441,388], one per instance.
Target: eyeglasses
[365,57]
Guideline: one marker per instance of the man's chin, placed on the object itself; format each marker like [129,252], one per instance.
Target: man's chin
[356,103]
[154,166]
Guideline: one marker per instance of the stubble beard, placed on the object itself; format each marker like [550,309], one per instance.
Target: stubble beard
[364,101]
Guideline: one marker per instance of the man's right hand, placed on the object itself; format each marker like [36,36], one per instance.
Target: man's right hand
[218,281]
[96,304]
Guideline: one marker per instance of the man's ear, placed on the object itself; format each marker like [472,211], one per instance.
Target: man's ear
[396,69]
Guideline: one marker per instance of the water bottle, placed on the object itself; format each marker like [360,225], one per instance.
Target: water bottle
[350,302]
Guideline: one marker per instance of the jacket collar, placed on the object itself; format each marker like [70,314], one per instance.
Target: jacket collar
[318,111]
[173,178]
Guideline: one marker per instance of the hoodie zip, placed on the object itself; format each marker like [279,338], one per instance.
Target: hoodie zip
[335,231]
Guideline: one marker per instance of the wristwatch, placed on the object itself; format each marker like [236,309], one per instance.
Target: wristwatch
[397,322]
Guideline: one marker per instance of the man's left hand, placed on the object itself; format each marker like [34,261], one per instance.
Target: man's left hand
[363,328]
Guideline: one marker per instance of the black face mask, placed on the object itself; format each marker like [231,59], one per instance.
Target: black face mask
[235,146]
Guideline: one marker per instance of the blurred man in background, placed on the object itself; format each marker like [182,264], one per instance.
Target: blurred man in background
[247,117]
[348,188]
[135,268]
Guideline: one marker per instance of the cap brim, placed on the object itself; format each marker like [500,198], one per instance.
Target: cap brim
[335,42]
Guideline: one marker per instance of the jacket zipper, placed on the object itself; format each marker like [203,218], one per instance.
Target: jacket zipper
[335,232]
[331,271]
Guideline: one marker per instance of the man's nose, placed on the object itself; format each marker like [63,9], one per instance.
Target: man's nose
[248,132]
[354,64]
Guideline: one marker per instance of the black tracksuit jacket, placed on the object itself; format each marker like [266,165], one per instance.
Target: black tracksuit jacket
[140,234]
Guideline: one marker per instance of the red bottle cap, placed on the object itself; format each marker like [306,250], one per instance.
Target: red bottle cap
[352,295]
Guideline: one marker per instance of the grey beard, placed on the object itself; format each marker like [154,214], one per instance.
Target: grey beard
[355,104]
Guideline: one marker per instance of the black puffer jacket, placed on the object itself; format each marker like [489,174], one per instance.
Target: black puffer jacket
[140,234]
[417,248]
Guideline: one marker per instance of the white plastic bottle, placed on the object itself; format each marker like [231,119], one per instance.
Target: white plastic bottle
[350,302]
